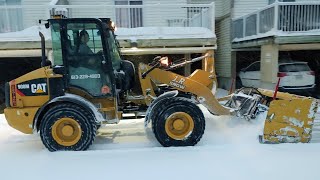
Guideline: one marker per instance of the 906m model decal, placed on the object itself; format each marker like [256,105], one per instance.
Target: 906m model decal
[36,87]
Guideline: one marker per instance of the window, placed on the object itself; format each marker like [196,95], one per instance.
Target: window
[294,67]
[10,19]
[129,17]
[114,51]
[84,56]
[273,1]
[56,44]
[254,67]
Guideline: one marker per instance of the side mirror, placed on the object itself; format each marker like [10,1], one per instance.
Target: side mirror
[46,25]
[59,70]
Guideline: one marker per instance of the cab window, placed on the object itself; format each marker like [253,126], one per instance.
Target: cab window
[84,56]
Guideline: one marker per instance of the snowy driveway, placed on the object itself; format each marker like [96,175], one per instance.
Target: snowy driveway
[228,150]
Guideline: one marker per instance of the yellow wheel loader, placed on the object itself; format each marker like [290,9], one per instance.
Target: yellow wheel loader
[89,84]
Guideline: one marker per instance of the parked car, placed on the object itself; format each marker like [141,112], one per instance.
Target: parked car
[296,76]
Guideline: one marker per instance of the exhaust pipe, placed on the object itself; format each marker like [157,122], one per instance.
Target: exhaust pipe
[43,50]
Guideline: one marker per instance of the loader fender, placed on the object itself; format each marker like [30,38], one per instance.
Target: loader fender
[67,98]
[163,96]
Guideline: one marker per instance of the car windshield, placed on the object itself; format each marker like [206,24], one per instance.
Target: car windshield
[293,67]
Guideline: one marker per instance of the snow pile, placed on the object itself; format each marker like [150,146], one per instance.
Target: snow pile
[32,33]
[29,34]
[164,33]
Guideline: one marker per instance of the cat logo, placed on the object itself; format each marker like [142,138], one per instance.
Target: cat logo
[39,88]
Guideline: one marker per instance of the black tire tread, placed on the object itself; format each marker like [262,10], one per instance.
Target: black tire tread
[163,105]
[85,117]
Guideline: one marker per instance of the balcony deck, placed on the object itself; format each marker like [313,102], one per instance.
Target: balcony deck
[191,33]
[281,23]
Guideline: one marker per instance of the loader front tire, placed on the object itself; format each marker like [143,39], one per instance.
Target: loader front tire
[177,122]
[67,127]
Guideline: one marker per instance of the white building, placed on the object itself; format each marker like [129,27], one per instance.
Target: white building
[266,30]
[274,31]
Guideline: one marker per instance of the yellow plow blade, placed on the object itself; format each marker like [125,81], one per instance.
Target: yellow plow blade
[290,121]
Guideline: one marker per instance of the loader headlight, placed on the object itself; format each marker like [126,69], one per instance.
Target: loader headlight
[164,61]
[113,25]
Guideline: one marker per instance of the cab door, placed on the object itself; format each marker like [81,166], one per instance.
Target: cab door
[88,66]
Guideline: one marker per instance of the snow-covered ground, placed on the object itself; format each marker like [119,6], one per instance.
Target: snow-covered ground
[228,150]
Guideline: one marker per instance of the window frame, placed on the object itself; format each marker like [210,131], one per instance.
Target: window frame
[7,16]
[128,20]
[253,66]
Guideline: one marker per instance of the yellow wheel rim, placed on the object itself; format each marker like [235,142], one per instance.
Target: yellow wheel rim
[179,125]
[66,131]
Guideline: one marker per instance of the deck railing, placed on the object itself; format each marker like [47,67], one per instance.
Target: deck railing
[14,18]
[280,17]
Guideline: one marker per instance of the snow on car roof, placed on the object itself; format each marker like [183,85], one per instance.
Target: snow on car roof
[283,62]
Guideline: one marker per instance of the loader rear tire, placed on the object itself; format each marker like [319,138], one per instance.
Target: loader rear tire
[67,127]
[177,122]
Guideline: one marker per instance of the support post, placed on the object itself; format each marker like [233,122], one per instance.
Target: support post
[269,66]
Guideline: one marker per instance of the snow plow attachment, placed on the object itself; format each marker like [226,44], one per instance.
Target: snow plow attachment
[290,119]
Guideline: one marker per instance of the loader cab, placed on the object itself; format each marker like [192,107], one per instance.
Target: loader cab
[86,53]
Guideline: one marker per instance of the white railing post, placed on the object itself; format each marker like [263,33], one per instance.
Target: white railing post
[258,23]
[276,16]
[203,18]
[213,16]
[7,17]
[244,27]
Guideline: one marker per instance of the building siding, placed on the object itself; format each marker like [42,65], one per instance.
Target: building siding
[96,12]
[223,54]
[223,8]
[31,15]
[153,16]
